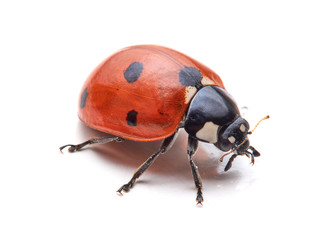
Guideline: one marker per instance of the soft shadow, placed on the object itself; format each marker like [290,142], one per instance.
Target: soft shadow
[172,164]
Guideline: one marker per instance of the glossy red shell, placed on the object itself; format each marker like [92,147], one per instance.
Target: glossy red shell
[157,97]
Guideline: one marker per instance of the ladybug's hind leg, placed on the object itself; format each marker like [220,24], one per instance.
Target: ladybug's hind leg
[166,145]
[77,147]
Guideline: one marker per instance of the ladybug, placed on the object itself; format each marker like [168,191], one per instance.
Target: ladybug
[148,93]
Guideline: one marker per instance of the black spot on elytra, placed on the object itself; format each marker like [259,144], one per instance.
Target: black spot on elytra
[132,118]
[83,99]
[132,73]
[190,76]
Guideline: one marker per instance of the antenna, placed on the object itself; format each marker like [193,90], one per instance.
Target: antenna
[266,117]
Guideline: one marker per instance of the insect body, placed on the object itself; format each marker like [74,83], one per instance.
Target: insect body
[147,93]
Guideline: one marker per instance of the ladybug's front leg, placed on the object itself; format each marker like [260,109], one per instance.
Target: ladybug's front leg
[192,148]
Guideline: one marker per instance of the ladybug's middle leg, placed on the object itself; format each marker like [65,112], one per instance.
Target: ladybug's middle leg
[166,145]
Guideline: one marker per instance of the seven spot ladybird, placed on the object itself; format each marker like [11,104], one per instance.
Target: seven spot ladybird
[147,93]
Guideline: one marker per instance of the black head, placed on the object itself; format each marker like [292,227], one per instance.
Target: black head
[214,117]
[234,136]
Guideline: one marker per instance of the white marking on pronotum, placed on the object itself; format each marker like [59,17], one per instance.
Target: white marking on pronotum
[231,139]
[207,81]
[190,92]
[242,128]
[208,132]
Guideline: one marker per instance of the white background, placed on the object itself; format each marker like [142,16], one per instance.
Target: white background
[266,52]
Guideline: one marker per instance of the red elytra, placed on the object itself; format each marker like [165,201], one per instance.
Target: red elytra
[136,93]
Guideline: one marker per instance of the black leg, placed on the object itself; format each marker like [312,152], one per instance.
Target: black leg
[166,145]
[77,147]
[192,148]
